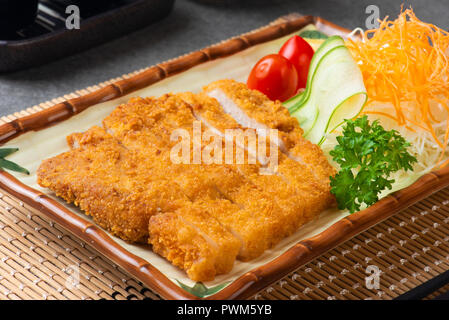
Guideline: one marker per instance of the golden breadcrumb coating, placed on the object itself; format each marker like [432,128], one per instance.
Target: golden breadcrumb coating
[101,177]
[193,240]
[198,216]
[183,246]
[293,179]
[153,122]
[113,185]
[272,114]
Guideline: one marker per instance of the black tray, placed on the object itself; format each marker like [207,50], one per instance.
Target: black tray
[48,39]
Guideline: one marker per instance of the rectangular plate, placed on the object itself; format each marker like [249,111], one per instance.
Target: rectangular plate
[248,282]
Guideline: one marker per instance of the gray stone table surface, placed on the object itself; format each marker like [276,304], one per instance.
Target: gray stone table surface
[190,26]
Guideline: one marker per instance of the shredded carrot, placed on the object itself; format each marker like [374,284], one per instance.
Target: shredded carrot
[405,63]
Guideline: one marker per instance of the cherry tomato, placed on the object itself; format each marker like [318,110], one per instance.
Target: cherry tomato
[274,76]
[300,53]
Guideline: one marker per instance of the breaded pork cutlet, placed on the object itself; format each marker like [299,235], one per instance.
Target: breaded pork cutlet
[199,216]
[101,177]
[252,109]
[260,222]
[292,178]
[121,193]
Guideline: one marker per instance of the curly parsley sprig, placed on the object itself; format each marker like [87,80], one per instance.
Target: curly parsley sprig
[367,155]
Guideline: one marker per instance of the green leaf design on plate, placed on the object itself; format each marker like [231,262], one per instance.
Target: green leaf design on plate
[6,164]
[7,151]
[313,34]
[200,290]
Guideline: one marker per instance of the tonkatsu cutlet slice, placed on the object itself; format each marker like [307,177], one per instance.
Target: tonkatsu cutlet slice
[260,222]
[252,109]
[102,178]
[292,178]
[193,240]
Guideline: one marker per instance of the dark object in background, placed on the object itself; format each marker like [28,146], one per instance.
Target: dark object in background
[15,15]
[89,8]
[48,39]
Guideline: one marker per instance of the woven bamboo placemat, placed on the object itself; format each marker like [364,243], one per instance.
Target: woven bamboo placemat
[38,259]
[41,260]
[409,249]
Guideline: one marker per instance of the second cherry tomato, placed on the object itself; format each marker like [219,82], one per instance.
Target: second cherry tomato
[300,53]
[274,76]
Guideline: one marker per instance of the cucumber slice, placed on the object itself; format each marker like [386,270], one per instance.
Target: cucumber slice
[335,91]
[296,102]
